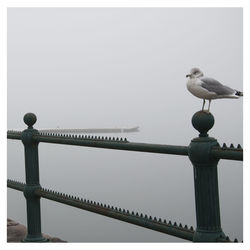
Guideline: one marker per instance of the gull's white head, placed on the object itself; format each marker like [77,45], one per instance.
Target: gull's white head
[194,73]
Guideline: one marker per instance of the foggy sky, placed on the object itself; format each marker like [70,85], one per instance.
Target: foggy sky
[123,67]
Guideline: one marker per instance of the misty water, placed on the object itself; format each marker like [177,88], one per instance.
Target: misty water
[122,67]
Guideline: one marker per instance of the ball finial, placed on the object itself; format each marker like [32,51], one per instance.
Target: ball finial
[203,121]
[29,119]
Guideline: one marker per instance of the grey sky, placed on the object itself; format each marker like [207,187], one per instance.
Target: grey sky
[125,67]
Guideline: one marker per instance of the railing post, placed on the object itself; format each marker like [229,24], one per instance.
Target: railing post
[32,181]
[205,181]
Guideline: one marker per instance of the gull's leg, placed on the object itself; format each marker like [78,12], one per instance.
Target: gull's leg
[203,104]
[209,105]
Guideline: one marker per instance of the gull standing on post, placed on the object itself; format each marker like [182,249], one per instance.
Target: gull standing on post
[208,88]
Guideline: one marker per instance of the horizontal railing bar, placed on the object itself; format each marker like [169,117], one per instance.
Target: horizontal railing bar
[119,214]
[107,144]
[129,146]
[16,135]
[15,185]
[217,152]
[227,154]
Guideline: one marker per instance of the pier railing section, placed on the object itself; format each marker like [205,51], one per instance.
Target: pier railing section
[203,151]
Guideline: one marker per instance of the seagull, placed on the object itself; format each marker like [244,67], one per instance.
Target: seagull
[208,88]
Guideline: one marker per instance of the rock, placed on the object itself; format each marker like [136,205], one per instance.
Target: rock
[17,232]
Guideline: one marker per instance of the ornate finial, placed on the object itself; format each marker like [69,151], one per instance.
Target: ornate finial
[29,119]
[203,121]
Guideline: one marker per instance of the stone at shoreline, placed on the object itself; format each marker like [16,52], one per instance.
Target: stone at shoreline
[17,232]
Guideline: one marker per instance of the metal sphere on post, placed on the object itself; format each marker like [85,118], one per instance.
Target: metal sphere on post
[205,180]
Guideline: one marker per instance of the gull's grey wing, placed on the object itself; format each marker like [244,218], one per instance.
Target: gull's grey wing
[214,86]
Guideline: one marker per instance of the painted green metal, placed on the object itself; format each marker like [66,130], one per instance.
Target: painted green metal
[205,180]
[113,144]
[32,181]
[235,154]
[204,152]
[138,219]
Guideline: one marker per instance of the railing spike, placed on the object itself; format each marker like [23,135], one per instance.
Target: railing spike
[159,220]
[227,238]
[141,215]
[150,217]
[164,221]
[119,209]
[155,219]
[170,223]
[124,211]
[175,224]
[180,225]
[239,146]
[186,227]
[235,240]
[132,213]
[191,228]
[224,145]
[145,216]
[231,145]
[137,214]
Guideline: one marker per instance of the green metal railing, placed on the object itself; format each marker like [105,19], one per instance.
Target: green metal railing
[204,152]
